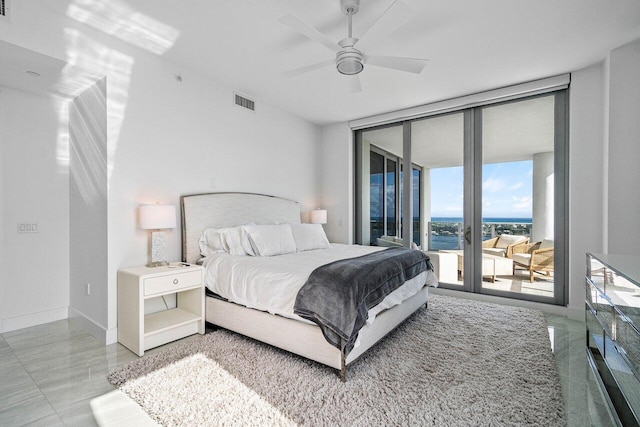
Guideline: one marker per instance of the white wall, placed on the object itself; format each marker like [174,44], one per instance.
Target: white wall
[178,137]
[586,152]
[624,150]
[337,181]
[88,204]
[35,188]
[167,138]
[543,191]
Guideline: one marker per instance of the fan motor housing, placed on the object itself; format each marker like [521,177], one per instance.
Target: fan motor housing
[349,61]
[350,5]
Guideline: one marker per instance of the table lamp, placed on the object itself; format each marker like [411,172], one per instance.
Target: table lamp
[319,216]
[157,218]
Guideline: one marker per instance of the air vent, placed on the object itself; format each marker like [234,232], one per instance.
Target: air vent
[3,7]
[243,102]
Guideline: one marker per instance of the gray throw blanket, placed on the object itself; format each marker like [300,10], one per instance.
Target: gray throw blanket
[338,296]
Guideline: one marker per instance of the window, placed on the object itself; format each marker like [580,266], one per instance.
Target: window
[477,174]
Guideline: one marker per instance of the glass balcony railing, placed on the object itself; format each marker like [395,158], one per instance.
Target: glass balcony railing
[449,234]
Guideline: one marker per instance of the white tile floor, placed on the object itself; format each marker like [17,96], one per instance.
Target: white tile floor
[49,373]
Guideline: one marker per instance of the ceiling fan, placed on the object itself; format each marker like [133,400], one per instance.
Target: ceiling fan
[350,60]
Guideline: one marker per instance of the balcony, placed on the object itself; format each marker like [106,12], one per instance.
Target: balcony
[445,241]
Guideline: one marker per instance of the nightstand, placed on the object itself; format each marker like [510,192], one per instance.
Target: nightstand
[139,332]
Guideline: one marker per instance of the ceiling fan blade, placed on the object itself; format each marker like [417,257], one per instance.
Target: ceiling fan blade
[354,83]
[410,65]
[308,31]
[302,70]
[393,18]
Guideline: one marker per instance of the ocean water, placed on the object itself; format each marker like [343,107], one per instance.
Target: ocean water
[485,220]
[453,241]
[445,242]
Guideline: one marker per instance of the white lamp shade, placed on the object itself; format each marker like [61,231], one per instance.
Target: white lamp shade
[157,217]
[319,216]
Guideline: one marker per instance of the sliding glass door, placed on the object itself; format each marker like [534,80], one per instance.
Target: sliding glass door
[378,178]
[381,178]
[487,199]
[518,195]
[437,144]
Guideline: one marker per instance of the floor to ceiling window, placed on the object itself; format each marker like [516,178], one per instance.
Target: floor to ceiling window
[487,194]
[384,174]
[518,193]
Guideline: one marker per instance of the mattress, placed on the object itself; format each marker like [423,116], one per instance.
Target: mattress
[271,284]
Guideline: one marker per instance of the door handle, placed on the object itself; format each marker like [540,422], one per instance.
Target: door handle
[467,235]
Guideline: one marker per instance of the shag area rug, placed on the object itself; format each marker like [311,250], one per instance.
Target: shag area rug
[457,363]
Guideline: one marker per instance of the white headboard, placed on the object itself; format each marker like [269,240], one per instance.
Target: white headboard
[200,211]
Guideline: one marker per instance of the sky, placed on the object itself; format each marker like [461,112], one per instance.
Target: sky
[506,190]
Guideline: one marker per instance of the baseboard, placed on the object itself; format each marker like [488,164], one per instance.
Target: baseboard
[33,319]
[106,336]
[559,310]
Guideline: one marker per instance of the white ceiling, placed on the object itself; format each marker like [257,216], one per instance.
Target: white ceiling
[16,61]
[54,77]
[471,45]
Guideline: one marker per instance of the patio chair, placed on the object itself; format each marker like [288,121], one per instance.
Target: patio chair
[388,241]
[503,245]
[534,257]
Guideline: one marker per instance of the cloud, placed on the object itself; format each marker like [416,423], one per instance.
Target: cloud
[493,185]
[515,186]
[522,203]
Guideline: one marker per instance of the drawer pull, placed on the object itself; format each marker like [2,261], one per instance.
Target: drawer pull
[175,281]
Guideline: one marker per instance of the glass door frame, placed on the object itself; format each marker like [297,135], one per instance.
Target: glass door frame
[472,207]
[390,157]
[473,201]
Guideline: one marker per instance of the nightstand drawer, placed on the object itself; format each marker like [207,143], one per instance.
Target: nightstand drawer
[173,282]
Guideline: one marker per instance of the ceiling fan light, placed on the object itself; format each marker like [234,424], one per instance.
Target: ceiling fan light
[349,62]
[350,66]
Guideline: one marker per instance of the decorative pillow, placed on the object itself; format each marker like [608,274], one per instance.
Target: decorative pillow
[506,240]
[309,236]
[270,240]
[210,242]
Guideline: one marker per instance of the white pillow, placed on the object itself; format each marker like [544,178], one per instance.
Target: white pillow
[210,242]
[232,240]
[269,240]
[309,236]
[246,242]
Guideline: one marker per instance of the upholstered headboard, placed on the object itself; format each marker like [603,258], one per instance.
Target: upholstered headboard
[217,210]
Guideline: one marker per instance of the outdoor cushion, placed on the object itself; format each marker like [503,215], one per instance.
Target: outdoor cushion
[523,259]
[495,251]
[507,240]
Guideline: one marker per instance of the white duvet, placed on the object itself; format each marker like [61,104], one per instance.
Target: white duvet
[272,283]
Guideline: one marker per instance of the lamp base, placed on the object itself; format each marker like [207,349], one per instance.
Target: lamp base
[157,264]
[158,257]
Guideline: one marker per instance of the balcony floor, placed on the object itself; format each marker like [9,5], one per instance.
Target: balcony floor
[542,284]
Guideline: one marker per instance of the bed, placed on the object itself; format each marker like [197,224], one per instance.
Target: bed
[282,329]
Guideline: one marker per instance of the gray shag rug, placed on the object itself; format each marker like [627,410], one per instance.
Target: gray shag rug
[457,363]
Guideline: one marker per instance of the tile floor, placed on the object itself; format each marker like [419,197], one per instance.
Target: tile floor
[49,373]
